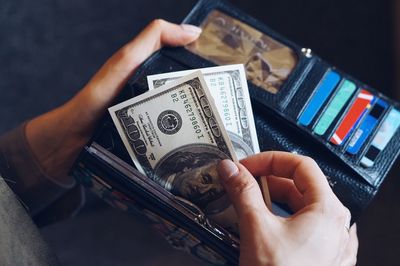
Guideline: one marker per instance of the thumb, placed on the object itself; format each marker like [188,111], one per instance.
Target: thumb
[100,92]
[242,189]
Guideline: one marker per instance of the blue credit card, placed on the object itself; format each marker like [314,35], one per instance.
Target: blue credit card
[367,126]
[322,93]
[386,131]
[360,119]
[338,102]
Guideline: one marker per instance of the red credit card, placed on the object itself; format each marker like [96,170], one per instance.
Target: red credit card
[362,102]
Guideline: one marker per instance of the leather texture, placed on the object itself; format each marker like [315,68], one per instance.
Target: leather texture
[275,117]
[277,133]
[296,91]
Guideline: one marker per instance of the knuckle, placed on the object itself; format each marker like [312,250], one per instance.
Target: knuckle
[241,184]
[309,160]
[157,23]
[342,215]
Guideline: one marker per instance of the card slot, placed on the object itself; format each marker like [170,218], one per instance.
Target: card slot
[326,122]
[334,107]
[383,135]
[330,108]
[338,117]
[355,131]
[306,89]
[351,117]
[318,98]
[314,76]
[293,139]
[383,158]
[367,129]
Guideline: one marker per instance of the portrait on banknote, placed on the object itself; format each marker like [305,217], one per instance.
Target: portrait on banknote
[175,137]
[190,172]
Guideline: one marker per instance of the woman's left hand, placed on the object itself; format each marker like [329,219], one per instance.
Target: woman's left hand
[57,137]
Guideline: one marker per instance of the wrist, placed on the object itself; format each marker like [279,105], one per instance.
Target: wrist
[54,142]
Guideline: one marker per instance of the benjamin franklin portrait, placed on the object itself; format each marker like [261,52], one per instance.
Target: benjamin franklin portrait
[191,173]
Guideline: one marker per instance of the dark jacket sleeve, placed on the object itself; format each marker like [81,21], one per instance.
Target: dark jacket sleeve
[20,169]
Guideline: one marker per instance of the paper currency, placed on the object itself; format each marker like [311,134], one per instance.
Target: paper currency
[175,136]
[228,87]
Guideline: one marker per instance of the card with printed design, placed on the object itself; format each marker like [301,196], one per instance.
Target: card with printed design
[226,40]
[300,104]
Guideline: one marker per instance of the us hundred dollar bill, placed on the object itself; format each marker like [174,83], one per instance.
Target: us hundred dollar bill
[228,87]
[175,136]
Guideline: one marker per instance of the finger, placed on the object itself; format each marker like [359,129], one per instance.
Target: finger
[349,257]
[108,81]
[307,176]
[153,37]
[242,189]
[283,190]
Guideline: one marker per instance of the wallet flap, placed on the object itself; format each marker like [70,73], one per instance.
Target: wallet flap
[301,104]
[277,133]
[288,88]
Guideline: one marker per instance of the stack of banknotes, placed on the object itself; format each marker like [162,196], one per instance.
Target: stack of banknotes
[187,122]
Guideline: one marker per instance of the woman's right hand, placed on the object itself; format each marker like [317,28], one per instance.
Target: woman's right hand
[316,234]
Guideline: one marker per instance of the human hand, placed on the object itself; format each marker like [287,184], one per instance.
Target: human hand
[57,137]
[316,234]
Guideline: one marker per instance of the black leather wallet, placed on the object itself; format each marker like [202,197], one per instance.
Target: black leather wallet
[301,104]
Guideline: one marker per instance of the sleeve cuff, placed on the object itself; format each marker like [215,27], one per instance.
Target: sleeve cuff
[26,178]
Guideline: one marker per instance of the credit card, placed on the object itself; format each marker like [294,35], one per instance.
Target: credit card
[226,40]
[367,126]
[353,115]
[382,138]
[354,127]
[345,91]
[322,93]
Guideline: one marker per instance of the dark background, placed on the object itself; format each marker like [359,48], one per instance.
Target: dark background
[49,49]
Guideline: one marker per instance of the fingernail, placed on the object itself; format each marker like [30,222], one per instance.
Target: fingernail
[191,29]
[227,169]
